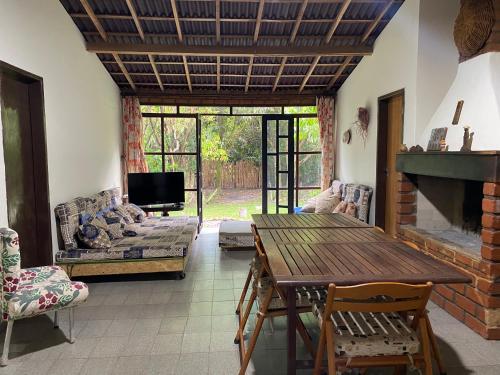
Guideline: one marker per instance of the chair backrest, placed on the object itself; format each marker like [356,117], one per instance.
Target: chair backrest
[10,262]
[381,297]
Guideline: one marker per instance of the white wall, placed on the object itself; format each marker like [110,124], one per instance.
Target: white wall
[402,59]
[82,103]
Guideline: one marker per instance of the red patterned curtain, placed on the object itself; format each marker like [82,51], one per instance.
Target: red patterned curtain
[326,118]
[133,159]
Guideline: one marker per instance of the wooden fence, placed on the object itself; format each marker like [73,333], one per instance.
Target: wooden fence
[239,175]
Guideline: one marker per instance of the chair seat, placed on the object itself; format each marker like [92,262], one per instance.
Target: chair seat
[276,302]
[370,334]
[33,291]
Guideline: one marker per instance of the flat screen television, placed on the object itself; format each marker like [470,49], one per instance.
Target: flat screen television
[156,188]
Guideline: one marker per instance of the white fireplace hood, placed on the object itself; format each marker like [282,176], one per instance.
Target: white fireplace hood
[477,83]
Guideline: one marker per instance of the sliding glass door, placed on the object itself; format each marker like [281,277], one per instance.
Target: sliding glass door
[172,144]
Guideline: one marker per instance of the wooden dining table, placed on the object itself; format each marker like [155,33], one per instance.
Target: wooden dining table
[320,249]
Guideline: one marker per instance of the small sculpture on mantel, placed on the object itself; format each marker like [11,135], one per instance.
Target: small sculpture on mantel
[468,138]
[442,145]
[416,148]
[403,148]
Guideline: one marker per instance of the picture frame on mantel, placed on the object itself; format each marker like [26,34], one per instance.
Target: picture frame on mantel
[437,134]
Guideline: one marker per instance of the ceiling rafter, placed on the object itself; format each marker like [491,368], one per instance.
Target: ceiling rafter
[218,73]
[217,20]
[328,37]
[124,71]
[249,73]
[364,38]
[94,19]
[328,65]
[176,19]
[135,18]
[293,35]
[155,70]
[186,71]
[142,74]
[258,20]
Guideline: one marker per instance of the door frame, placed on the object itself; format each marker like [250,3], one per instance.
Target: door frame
[44,251]
[277,153]
[381,173]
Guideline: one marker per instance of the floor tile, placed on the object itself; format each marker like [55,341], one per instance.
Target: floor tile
[101,366]
[192,363]
[167,344]
[196,342]
[173,325]
[200,308]
[199,324]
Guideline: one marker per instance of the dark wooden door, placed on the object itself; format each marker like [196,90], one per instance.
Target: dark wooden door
[26,166]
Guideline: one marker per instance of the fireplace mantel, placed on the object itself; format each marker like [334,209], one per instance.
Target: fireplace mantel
[475,165]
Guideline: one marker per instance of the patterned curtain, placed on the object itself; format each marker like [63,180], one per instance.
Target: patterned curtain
[326,118]
[133,159]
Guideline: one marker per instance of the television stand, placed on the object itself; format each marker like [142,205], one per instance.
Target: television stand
[163,208]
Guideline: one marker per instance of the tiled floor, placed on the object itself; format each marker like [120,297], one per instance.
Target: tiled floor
[162,326]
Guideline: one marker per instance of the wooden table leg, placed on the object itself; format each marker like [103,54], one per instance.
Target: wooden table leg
[292,326]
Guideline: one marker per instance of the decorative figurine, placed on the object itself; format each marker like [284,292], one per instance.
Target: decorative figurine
[403,148]
[416,148]
[468,138]
[442,145]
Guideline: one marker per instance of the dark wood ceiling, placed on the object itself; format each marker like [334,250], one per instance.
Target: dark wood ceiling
[230,47]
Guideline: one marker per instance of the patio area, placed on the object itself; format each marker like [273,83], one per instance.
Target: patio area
[150,325]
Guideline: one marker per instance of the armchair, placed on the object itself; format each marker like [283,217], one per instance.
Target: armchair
[33,291]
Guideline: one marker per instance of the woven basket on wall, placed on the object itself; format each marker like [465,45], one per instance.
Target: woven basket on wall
[473,26]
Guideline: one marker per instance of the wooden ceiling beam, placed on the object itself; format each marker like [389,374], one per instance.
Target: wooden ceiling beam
[124,71]
[135,18]
[217,20]
[226,64]
[155,70]
[176,19]
[183,50]
[364,38]
[258,20]
[212,19]
[141,74]
[328,37]
[186,71]
[249,73]
[94,19]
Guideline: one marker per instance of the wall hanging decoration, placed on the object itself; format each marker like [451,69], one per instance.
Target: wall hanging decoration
[473,26]
[361,124]
[458,112]
[437,135]
[346,138]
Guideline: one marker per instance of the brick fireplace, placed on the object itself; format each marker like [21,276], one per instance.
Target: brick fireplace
[448,206]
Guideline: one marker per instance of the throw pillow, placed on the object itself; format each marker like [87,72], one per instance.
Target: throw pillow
[99,222]
[93,237]
[113,218]
[310,206]
[337,187]
[326,205]
[123,213]
[341,208]
[135,212]
[115,231]
[351,209]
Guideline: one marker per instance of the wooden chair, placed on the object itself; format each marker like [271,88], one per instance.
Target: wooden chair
[363,326]
[272,303]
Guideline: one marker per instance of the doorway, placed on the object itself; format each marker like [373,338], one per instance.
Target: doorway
[25,155]
[389,140]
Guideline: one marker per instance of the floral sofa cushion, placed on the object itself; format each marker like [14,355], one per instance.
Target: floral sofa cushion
[157,237]
[32,291]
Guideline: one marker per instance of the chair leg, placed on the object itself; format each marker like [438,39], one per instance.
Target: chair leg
[243,319]
[271,323]
[244,292]
[255,335]
[434,346]
[6,344]
[301,328]
[426,350]
[56,319]
[321,350]
[330,349]
[71,323]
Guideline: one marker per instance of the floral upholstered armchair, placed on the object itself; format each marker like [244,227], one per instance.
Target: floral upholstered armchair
[33,291]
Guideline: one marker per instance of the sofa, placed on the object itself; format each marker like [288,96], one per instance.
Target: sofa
[155,244]
[356,195]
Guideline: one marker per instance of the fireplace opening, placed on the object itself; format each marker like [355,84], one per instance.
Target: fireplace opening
[450,209]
